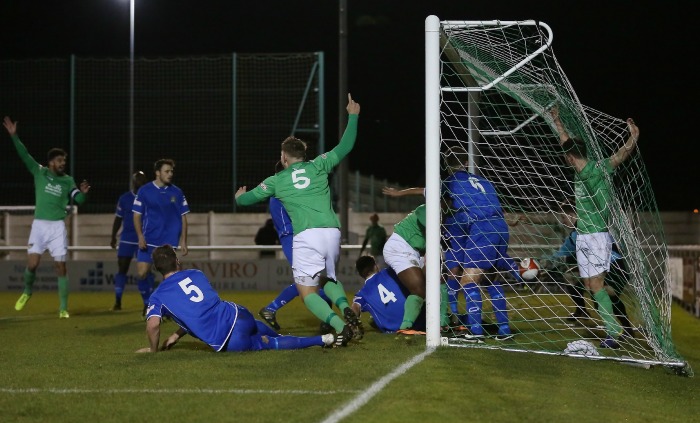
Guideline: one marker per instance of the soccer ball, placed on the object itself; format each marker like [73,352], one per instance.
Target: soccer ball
[529,268]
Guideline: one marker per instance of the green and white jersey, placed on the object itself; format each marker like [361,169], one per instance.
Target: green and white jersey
[412,228]
[593,197]
[52,192]
[303,187]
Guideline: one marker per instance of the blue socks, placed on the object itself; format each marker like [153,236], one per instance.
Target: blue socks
[119,284]
[288,294]
[500,307]
[146,287]
[474,304]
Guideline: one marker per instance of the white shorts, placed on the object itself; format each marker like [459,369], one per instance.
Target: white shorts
[400,256]
[49,235]
[314,251]
[593,253]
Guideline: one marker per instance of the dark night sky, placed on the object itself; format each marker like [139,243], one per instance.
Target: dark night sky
[625,58]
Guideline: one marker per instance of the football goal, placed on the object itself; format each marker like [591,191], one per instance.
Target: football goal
[490,90]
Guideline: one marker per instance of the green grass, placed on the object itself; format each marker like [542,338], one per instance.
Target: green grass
[84,369]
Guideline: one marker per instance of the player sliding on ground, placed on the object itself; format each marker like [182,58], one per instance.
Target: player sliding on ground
[189,299]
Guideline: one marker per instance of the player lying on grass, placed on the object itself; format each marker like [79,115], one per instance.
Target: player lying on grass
[383,296]
[188,298]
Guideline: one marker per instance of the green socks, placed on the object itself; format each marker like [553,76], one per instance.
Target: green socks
[29,278]
[444,317]
[336,293]
[411,310]
[63,292]
[319,308]
[605,309]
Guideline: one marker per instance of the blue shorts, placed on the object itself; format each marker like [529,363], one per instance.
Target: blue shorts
[248,332]
[287,241]
[127,249]
[144,256]
[485,246]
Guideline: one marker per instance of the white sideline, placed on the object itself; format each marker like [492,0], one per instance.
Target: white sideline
[169,391]
[377,386]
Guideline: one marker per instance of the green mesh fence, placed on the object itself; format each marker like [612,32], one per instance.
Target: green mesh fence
[221,118]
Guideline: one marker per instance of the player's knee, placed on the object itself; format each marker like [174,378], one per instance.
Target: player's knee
[60,268]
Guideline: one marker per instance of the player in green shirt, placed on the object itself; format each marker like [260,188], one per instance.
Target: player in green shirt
[53,190]
[403,252]
[303,189]
[594,243]
[376,236]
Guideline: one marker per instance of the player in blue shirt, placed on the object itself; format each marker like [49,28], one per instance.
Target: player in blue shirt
[383,296]
[160,217]
[128,241]
[285,232]
[187,297]
[478,236]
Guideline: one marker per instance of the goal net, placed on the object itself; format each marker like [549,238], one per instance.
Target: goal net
[490,87]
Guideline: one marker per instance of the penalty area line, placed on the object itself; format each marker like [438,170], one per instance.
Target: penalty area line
[375,388]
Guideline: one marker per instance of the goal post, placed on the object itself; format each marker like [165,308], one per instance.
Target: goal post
[490,88]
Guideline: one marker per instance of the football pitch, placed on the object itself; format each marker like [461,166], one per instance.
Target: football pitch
[85,369]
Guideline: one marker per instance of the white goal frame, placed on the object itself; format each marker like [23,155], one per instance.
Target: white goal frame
[432,152]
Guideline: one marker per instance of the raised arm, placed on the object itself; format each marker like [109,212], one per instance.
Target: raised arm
[28,160]
[626,150]
[79,193]
[347,142]
[563,135]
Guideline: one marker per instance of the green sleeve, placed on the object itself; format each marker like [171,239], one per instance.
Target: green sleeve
[347,142]
[79,198]
[420,214]
[266,189]
[28,160]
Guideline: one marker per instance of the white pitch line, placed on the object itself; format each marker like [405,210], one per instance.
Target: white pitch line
[377,386]
[168,391]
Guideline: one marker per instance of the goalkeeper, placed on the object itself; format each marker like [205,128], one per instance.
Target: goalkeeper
[594,243]
[53,190]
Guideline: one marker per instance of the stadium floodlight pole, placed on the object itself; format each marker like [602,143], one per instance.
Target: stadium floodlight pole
[132,14]
[432,181]
[342,174]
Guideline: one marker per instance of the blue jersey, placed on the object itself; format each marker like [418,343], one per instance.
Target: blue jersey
[477,231]
[124,211]
[162,209]
[191,301]
[384,297]
[283,226]
[473,198]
